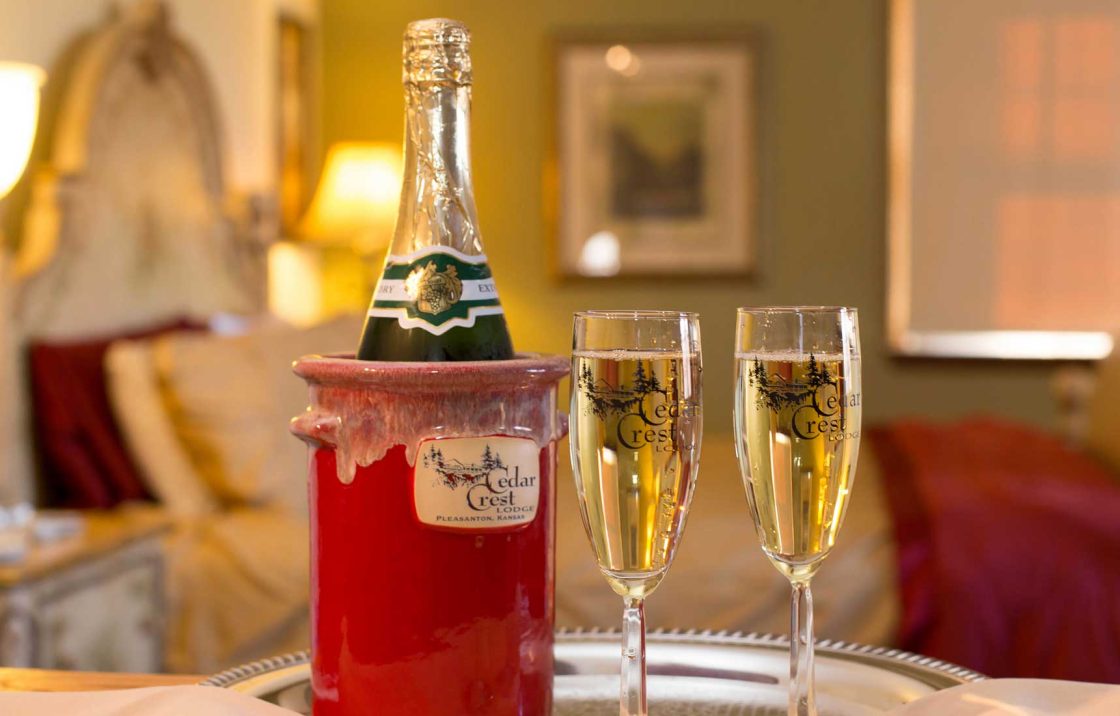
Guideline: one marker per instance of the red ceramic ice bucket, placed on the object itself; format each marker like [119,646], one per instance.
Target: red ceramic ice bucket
[432,499]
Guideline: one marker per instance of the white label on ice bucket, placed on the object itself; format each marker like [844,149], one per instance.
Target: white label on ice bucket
[477,483]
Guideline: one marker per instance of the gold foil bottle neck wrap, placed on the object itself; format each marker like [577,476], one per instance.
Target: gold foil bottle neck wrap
[437,51]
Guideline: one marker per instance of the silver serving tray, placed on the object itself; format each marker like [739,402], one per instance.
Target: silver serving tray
[689,673]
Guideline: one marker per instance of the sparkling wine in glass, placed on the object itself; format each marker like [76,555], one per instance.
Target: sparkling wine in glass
[635,440]
[797,428]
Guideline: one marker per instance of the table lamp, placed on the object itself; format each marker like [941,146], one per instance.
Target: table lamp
[357,198]
[19,116]
[329,266]
[19,96]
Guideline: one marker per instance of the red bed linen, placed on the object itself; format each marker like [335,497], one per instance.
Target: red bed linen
[1009,549]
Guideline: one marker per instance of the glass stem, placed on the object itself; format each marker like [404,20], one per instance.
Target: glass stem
[633,697]
[802,696]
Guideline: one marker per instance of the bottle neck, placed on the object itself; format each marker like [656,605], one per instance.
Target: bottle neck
[437,197]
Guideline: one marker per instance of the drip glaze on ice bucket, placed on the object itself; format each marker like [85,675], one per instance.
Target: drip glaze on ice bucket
[432,494]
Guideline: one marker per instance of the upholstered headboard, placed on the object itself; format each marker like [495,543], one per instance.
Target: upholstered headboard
[126,223]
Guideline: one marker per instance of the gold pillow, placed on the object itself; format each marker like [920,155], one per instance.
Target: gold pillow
[230,399]
[134,393]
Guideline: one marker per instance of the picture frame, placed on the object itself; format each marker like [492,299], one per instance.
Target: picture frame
[654,171]
[296,118]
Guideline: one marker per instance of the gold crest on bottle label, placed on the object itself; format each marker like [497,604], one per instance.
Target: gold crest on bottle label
[436,289]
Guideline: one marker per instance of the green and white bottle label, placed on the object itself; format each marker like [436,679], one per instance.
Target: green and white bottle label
[435,289]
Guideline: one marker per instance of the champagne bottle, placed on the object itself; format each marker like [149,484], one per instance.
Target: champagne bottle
[436,299]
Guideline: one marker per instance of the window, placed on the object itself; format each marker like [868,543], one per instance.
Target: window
[1005,178]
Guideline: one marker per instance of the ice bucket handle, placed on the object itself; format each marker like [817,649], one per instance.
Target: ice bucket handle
[317,429]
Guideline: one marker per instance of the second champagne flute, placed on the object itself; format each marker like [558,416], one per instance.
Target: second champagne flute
[635,439]
[798,404]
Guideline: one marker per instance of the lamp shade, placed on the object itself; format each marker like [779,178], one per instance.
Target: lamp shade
[19,100]
[357,197]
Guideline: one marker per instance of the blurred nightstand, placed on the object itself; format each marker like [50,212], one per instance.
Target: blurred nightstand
[94,601]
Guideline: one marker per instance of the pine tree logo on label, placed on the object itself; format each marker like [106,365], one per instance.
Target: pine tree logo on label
[472,483]
[433,291]
[456,473]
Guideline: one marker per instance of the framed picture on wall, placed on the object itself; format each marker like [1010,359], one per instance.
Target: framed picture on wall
[295,118]
[655,159]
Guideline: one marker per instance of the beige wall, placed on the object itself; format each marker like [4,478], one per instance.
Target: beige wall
[822,176]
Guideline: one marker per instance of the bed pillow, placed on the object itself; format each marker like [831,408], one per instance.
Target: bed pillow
[231,398]
[137,401]
[83,457]
[1007,542]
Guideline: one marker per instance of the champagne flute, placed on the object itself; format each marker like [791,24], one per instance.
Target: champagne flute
[797,425]
[635,440]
